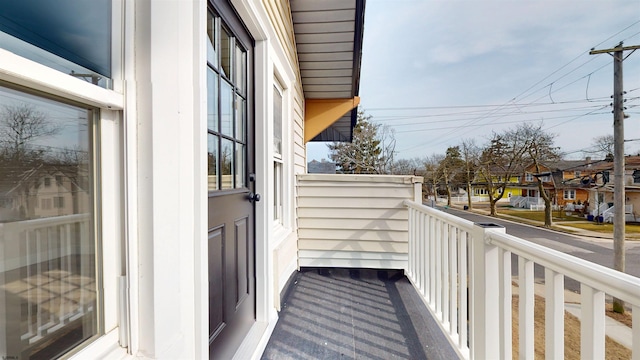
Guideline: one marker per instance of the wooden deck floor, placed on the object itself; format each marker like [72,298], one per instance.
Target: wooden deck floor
[355,314]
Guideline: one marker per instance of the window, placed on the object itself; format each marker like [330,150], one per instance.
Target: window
[577,173]
[226,108]
[528,177]
[570,194]
[278,164]
[49,283]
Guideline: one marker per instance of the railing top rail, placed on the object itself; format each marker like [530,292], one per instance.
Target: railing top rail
[623,286]
[459,222]
[45,222]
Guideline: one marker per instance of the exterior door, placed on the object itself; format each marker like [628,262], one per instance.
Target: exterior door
[231,239]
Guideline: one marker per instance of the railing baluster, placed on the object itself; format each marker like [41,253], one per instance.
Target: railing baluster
[445,274]
[591,323]
[463,303]
[424,254]
[432,260]
[438,256]
[453,280]
[506,301]
[526,307]
[411,244]
[554,314]
[635,311]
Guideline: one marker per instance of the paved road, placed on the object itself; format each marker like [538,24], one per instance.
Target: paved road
[599,251]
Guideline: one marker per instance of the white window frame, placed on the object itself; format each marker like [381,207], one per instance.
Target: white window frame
[569,194]
[528,177]
[34,76]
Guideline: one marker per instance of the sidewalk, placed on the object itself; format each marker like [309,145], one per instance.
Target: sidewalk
[557,225]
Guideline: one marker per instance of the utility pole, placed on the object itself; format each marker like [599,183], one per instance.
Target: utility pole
[618,160]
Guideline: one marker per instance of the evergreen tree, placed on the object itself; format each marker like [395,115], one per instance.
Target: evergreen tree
[368,153]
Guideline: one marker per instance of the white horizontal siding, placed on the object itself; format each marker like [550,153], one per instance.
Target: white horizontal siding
[354,220]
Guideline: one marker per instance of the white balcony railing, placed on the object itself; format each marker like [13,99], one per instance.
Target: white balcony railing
[464,271]
[42,273]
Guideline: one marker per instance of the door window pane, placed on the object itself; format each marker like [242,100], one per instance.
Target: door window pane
[241,119]
[225,52]
[241,70]
[212,156]
[212,55]
[227,164]
[226,109]
[240,165]
[48,280]
[212,101]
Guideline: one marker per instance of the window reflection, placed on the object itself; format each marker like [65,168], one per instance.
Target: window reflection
[47,269]
[226,162]
[226,108]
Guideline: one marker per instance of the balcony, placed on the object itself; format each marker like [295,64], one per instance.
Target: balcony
[460,283]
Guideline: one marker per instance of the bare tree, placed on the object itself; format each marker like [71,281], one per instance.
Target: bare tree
[604,146]
[470,153]
[405,167]
[20,126]
[451,167]
[431,174]
[540,149]
[387,137]
[500,160]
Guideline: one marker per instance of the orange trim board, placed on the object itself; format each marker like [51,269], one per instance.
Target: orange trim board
[319,114]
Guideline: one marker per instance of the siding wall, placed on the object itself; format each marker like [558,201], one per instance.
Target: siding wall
[284,239]
[280,15]
[354,220]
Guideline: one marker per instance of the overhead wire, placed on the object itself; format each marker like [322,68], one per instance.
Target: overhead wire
[521,96]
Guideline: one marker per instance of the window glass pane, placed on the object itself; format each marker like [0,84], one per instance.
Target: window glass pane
[226,108]
[212,156]
[225,52]
[240,165]
[241,70]
[212,56]
[212,100]
[48,292]
[67,35]
[241,120]
[226,161]
[277,121]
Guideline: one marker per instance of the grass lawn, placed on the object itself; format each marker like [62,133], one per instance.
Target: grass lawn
[539,215]
[571,221]
[607,228]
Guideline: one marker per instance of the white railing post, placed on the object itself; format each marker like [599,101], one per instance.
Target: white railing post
[485,293]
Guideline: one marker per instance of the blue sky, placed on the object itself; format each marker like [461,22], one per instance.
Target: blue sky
[439,72]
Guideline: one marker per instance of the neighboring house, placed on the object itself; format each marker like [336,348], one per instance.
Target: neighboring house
[46,191]
[479,185]
[566,181]
[196,115]
[602,189]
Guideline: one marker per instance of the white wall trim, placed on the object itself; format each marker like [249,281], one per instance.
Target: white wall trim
[18,70]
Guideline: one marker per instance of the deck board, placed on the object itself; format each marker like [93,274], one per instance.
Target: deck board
[355,314]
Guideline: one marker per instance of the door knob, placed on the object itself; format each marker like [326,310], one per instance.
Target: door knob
[253,197]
